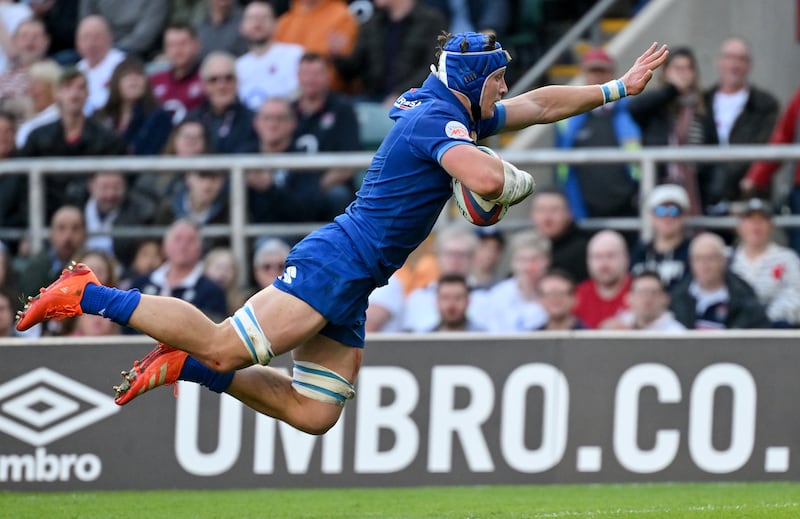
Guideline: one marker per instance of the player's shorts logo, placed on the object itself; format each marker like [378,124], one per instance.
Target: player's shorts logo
[42,406]
[457,130]
[289,274]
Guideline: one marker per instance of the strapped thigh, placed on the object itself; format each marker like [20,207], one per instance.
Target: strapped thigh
[319,383]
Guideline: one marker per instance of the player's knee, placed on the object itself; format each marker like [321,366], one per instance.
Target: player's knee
[318,423]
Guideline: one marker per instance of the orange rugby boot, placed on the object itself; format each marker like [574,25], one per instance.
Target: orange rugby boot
[158,368]
[59,300]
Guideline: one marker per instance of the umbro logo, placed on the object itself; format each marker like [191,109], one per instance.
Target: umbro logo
[42,406]
[64,290]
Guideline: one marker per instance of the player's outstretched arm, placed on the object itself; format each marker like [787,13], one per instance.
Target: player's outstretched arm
[555,102]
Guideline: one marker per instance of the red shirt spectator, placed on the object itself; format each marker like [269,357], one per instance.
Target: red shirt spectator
[603,295]
[592,309]
[179,88]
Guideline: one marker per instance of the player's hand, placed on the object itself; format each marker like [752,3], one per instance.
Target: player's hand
[637,77]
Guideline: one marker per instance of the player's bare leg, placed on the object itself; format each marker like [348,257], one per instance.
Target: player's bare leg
[286,321]
[192,347]
[270,392]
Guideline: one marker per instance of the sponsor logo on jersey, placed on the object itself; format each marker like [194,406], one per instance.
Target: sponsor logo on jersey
[404,104]
[457,130]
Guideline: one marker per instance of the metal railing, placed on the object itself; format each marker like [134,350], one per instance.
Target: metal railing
[237,165]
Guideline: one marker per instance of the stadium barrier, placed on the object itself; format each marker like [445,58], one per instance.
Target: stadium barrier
[429,410]
[240,230]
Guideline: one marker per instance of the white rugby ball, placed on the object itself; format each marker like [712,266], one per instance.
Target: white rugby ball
[473,207]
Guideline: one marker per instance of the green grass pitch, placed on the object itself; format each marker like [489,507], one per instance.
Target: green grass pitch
[692,501]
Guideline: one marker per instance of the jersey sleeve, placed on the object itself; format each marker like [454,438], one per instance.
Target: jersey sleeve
[489,127]
[435,132]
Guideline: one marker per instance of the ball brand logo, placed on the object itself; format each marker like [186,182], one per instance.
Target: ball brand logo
[457,130]
[42,406]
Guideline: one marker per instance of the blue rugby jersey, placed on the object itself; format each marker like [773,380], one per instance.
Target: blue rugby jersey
[405,187]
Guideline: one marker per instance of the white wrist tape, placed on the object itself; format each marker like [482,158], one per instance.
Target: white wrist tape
[517,185]
[613,90]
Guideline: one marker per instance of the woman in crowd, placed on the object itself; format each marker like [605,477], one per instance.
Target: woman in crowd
[133,112]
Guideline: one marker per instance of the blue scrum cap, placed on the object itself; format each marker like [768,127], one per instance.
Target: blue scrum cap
[466,69]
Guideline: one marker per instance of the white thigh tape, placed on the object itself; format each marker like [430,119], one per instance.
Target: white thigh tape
[318,382]
[250,332]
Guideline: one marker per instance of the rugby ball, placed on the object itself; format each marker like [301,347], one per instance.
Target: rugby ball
[473,207]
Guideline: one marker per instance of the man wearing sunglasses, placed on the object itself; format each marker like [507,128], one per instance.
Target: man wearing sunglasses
[668,252]
[228,122]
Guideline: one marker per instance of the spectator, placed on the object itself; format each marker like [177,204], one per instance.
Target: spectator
[228,122]
[218,31]
[269,68]
[60,18]
[648,303]
[132,111]
[98,59]
[608,189]
[67,240]
[281,195]
[135,25]
[512,305]
[188,139]
[675,114]
[452,301]
[181,275]
[556,293]
[7,312]
[326,123]
[6,267]
[29,45]
[72,135]
[103,264]
[179,88]
[551,216]
[392,49]
[319,26]
[200,199]
[13,187]
[386,306]
[146,258]
[475,15]
[760,174]
[269,260]
[220,267]
[667,253]
[12,15]
[43,77]
[772,270]
[455,254]
[602,296]
[111,204]
[714,298]
[491,244]
[741,113]
[89,325]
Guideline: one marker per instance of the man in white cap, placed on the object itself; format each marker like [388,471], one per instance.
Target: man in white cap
[668,251]
[771,269]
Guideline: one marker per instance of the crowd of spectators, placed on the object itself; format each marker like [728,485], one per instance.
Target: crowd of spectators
[196,77]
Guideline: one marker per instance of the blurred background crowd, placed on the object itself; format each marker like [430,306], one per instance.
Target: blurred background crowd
[196,77]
